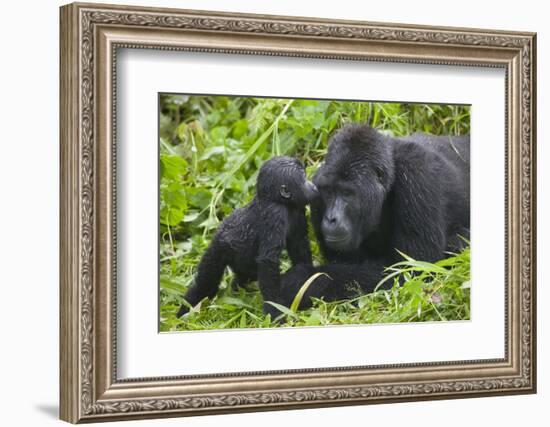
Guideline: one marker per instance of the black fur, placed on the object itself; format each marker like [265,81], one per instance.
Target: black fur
[251,239]
[379,194]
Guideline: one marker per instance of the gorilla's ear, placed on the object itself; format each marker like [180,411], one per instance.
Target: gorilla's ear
[285,194]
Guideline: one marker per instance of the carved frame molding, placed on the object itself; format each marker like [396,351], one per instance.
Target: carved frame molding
[90,37]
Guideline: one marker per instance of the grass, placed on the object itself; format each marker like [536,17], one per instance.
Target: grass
[211,149]
[428,292]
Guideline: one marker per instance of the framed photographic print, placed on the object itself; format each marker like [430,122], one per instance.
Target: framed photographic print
[265,212]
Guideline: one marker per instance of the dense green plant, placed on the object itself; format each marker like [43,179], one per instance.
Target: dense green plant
[211,148]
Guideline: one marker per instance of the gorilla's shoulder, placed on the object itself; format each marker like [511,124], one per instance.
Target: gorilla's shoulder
[423,138]
[414,155]
[447,148]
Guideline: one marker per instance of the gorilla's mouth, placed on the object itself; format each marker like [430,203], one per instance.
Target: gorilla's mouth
[338,242]
[336,239]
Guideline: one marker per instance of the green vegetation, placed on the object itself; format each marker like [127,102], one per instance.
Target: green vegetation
[211,148]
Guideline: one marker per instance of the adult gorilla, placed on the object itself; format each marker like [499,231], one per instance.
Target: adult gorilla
[378,195]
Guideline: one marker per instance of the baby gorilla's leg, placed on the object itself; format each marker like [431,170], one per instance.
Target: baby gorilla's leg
[207,281]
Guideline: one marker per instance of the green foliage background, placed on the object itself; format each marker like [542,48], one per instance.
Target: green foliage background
[211,148]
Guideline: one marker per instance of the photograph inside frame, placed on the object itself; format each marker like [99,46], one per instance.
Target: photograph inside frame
[306,212]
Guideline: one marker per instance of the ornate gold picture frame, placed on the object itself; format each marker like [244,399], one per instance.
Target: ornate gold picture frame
[90,37]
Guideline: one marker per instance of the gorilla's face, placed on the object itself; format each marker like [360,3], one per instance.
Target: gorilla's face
[353,182]
[283,180]
[341,207]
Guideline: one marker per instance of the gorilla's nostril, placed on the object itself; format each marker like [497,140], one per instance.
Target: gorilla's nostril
[330,222]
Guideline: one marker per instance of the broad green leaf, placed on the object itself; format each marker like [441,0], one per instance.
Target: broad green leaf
[283,309]
[212,151]
[198,197]
[191,216]
[233,301]
[170,284]
[171,216]
[173,166]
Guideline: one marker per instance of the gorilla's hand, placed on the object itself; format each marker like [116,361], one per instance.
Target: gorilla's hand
[294,279]
[298,274]
[339,281]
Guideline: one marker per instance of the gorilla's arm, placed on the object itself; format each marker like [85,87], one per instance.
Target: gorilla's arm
[297,243]
[274,223]
[340,281]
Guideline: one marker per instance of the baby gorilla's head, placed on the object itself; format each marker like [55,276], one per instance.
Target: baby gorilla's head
[283,180]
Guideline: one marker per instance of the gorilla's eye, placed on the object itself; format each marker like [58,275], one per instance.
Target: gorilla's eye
[285,194]
[380,173]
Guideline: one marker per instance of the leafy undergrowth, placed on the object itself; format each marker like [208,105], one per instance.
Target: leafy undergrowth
[211,148]
[426,292]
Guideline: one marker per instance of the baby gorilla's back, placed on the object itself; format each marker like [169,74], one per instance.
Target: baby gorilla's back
[238,238]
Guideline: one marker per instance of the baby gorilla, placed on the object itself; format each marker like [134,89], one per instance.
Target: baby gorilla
[250,241]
